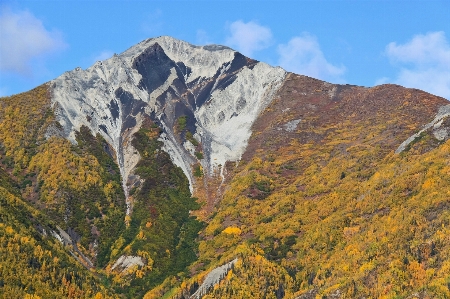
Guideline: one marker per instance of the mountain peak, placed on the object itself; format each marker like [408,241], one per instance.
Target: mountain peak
[203,61]
[166,40]
[219,92]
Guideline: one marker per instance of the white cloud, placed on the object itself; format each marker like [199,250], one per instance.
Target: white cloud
[202,37]
[24,38]
[302,55]
[426,49]
[424,63]
[103,55]
[248,37]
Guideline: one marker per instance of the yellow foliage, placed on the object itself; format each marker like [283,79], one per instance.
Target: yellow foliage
[26,261]
[428,183]
[52,164]
[9,230]
[24,116]
[350,231]
[366,267]
[350,211]
[98,296]
[232,230]
[139,273]
[31,296]
[229,274]
[108,189]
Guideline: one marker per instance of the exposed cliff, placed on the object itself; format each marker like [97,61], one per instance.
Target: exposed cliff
[218,91]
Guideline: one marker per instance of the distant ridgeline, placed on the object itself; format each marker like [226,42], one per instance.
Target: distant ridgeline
[303,189]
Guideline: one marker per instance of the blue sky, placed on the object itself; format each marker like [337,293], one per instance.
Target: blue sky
[355,42]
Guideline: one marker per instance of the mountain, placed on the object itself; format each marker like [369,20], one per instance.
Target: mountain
[178,171]
[214,91]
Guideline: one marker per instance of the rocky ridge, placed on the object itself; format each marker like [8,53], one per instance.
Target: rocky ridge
[218,91]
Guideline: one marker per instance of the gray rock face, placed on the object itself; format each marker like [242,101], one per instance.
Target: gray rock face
[220,91]
[126,262]
[213,278]
[439,131]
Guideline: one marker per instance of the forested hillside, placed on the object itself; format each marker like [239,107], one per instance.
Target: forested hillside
[50,185]
[328,209]
[32,263]
[324,202]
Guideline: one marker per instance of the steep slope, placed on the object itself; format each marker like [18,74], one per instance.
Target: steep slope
[32,263]
[79,188]
[321,205]
[209,95]
[160,104]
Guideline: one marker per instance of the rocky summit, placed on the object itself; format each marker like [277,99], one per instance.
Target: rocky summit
[219,91]
[180,171]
